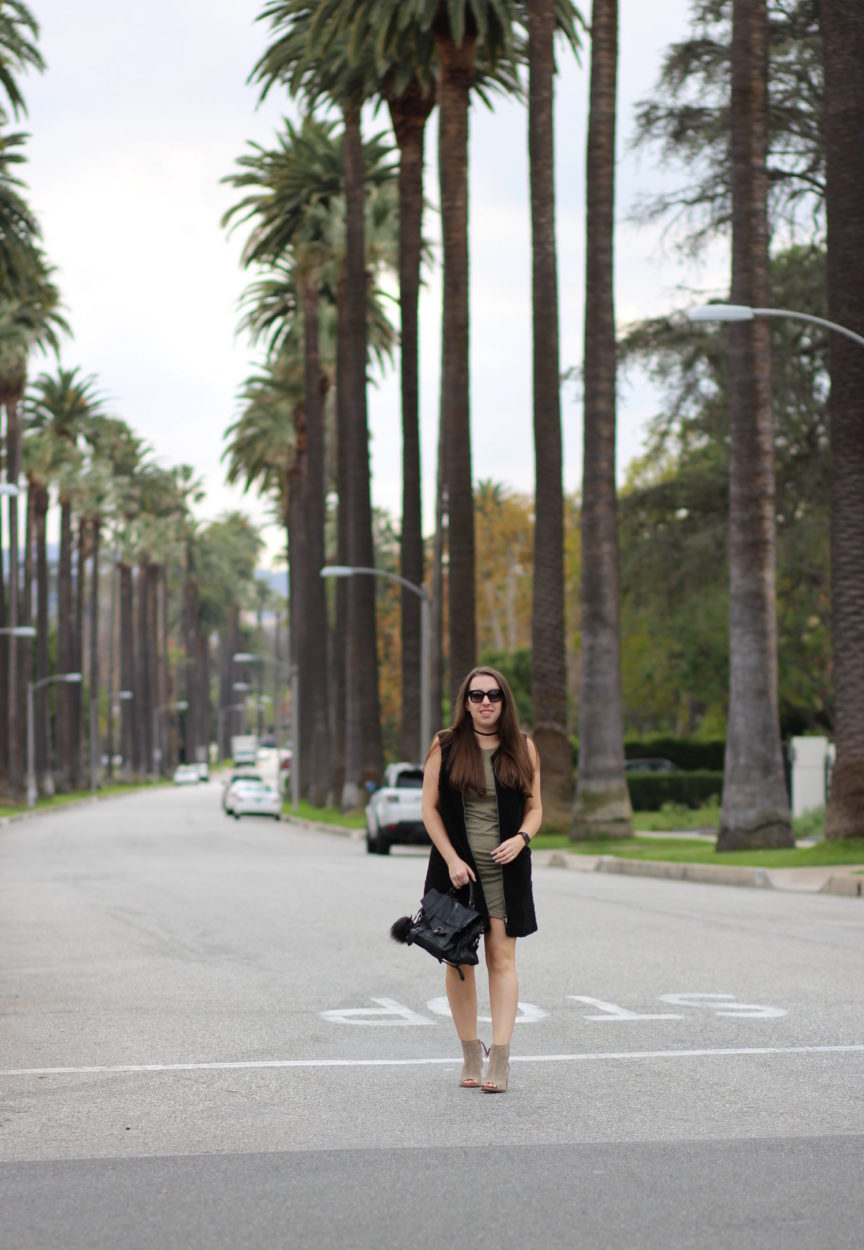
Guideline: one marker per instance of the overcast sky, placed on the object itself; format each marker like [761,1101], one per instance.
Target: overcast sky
[141,112]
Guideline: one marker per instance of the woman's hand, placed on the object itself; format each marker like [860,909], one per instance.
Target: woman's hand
[461,873]
[506,852]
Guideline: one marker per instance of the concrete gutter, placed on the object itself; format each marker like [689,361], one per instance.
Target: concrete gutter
[837,879]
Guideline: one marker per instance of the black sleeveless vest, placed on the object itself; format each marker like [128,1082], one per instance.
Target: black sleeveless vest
[520,918]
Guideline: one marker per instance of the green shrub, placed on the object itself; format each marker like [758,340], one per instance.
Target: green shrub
[650,791]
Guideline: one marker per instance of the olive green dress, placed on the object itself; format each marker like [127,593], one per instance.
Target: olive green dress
[481,823]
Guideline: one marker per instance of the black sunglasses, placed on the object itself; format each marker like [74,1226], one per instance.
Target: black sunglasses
[494,696]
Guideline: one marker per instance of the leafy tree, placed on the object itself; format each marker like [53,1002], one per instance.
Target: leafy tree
[688,121]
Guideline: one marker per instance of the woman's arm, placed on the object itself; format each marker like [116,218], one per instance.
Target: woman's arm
[460,872]
[532,817]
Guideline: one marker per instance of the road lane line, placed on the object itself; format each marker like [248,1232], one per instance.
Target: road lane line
[578,1057]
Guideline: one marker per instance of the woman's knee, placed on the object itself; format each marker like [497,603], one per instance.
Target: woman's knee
[500,954]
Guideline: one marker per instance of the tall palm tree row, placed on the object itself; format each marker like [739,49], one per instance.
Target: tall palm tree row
[296,201]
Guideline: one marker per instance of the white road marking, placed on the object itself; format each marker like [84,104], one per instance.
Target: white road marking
[578,1057]
[527,1013]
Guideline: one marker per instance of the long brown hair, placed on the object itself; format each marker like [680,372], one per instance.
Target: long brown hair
[512,763]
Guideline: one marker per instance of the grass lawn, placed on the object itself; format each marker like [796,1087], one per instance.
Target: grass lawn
[353,819]
[73,796]
[675,850]
[693,851]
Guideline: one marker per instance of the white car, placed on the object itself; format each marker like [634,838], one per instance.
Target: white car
[394,813]
[253,798]
[237,774]
[186,775]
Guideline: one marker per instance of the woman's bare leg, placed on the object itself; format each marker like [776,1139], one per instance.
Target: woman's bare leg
[503,983]
[462,997]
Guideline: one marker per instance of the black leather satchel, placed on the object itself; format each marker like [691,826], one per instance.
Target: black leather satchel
[444,927]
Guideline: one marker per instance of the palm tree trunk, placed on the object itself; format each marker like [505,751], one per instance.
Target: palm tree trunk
[26,617]
[44,771]
[129,710]
[16,737]
[156,673]
[4,672]
[146,659]
[94,736]
[549,666]
[456,68]
[65,651]
[317,745]
[112,660]
[602,807]
[439,591]
[843,34]
[409,114]
[363,755]
[339,637]
[79,732]
[755,810]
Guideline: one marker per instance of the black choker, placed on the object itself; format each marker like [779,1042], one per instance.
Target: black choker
[491,733]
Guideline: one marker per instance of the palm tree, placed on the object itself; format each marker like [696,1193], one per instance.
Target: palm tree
[61,405]
[39,463]
[29,321]
[19,32]
[843,34]
[291,60]
[755,810]
[549,662]
[602,807]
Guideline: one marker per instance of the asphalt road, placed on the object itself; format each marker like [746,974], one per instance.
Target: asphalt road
[208,1041]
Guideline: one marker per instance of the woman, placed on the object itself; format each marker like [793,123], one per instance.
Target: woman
[481,807]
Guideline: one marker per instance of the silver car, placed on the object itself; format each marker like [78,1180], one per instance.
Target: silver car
[253,798]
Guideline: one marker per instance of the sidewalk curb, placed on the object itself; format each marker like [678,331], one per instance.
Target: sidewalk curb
[851,887]
[841,884]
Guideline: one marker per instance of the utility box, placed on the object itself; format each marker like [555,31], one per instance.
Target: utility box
[811,768]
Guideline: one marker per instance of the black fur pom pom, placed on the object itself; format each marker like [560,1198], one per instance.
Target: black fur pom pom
[401,929]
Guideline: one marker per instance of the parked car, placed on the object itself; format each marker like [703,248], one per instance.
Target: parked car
[237,774]
[254,798]
[203,770]
[650,766]
[186,775]
[393,813]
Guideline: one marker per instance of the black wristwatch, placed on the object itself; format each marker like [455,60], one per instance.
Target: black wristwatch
[523,834]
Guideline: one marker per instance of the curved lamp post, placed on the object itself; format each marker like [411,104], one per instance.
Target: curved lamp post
[349,570]
[247,657]
[32,687]
[743,312]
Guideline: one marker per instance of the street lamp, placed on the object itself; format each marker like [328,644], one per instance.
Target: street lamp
[349,570]
[10,489]
[247,657]
[743,312]
[19,631]
[32,687]
[181,706]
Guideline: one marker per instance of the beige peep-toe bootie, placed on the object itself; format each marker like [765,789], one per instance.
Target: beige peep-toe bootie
[472,1065]
[498,1070]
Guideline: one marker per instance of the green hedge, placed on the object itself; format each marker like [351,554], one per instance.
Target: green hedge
[691,756]
[649,791]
